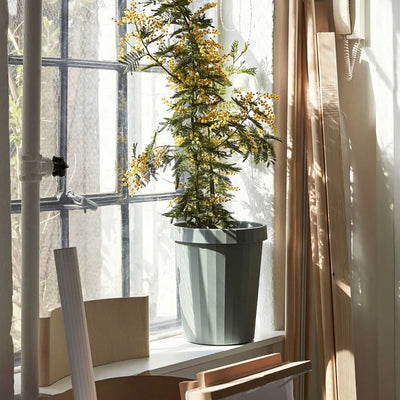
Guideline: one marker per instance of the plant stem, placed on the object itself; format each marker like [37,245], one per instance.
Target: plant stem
[155,60]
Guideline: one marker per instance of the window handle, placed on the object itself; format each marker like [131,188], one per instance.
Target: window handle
[72,201]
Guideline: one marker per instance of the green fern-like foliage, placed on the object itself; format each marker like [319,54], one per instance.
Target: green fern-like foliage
[207,127]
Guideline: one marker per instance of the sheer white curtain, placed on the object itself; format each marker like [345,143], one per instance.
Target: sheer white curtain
[6,349]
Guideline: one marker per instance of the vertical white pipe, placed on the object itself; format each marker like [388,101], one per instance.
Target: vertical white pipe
[6,348]
[76,333]
[31,199]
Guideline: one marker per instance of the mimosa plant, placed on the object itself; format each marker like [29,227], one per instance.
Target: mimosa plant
[207,125]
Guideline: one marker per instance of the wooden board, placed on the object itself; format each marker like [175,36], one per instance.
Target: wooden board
[238,370]
[249,382]
[322,284]
[118,330]
[184,386]
[338,243]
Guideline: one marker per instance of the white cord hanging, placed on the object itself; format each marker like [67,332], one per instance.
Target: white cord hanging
[221,17]
[350,58]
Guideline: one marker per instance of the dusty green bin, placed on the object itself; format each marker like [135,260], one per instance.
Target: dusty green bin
[218,274]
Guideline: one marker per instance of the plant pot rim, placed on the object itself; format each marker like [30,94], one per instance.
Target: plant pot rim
[245,232]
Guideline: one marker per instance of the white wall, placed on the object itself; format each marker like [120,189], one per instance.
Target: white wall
[252,21]
[370,116]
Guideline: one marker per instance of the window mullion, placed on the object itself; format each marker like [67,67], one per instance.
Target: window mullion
[63,116]
[122,157]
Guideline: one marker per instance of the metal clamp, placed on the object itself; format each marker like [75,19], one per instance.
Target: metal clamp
[72,201]
[33,169]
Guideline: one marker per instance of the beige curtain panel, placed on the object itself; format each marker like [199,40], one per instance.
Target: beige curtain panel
[6,348]
[319,319]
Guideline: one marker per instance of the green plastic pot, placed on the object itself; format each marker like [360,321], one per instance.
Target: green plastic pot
[218,274]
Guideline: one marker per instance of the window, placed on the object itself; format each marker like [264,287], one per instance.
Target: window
[91,114]
[123,246]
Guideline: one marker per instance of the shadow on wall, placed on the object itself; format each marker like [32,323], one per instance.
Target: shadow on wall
[260,205]
[255,200]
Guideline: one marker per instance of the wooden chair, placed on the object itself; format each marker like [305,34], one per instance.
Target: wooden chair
[218,383]
[118,330]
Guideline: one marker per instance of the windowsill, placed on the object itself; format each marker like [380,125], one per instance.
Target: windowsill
[166,356]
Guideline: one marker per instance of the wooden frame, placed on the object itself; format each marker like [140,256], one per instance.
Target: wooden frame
[338,244]
[226,381]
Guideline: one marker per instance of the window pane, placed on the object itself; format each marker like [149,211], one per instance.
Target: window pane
[97,237]
[92,33]
[145,111]
[49,125]
[50,27]
[152,260]
[49,240]
[92,130]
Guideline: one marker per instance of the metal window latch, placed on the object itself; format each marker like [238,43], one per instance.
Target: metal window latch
[33,169]
[72,201]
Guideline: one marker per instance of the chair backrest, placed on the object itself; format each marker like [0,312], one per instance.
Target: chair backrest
[118,330]
[140,387]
